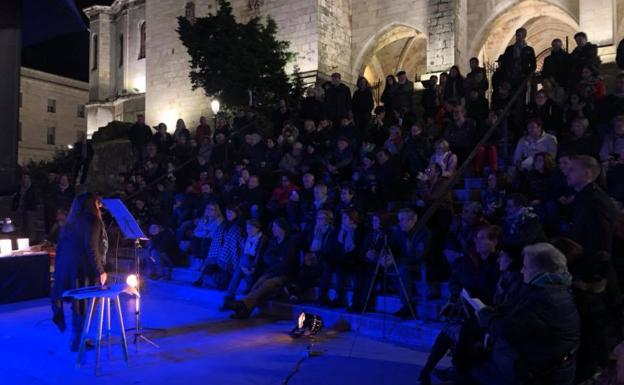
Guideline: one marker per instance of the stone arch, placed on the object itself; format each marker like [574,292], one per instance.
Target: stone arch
[543,20]
[395,47]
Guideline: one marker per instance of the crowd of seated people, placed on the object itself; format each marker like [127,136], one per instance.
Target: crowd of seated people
[339,186]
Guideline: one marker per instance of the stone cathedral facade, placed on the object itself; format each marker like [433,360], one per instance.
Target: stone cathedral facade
[138,64]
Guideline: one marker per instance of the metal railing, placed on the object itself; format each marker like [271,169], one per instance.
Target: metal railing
[521,91]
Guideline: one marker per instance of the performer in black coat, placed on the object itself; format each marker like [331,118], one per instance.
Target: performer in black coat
[80,260]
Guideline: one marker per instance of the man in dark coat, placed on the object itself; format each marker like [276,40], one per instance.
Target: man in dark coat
[585,54]
[557,64]
[139,135]
[536,338]
[281,266]
[80,260]
[409,248]
[83,154]
[594,213]
[403,94]
[518,60]
[337,100]
[476,79]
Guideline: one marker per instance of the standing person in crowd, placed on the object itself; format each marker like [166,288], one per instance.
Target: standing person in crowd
[162,139]
[311,107]
[430,99]
[362,104]
[249,262]
[594,214]
[388,95]
[584,55]
[139,135]
[518,60]
[557,64]
[181,131]
[536,338]
[476,79]
[80,261]
[203,130]
[25,201]
[281,264]
[402,101]
[83,154]
[454,88]
[337,103]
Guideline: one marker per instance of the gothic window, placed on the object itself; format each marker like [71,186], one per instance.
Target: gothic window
[121,50]
[142,41]
[96,49]
[189,11]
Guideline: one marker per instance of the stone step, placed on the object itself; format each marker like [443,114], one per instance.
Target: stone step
[474,183]
[418,333]
[467,195]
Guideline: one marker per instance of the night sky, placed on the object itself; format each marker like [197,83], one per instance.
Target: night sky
[65,55]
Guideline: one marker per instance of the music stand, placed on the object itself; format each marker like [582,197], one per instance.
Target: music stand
[130,230]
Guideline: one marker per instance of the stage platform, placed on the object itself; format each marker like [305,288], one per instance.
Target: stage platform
[201,345]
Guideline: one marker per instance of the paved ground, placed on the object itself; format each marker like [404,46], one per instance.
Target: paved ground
[200,346]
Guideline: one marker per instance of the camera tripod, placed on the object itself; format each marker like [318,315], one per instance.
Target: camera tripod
[388,270]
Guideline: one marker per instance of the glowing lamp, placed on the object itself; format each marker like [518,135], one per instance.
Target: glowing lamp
[70,146]
[307,325]
[23,244]
[5,247]
[7,226]
[215,105]
[132,281]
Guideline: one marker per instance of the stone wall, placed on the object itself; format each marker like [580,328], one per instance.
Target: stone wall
[169,95]
[376,20]
[335,39]
[596,19]
[447,25]
[36,88]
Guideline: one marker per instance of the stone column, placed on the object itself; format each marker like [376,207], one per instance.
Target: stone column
[447,30]
[10,62]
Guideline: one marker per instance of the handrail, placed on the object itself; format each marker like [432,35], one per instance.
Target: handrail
[424,219]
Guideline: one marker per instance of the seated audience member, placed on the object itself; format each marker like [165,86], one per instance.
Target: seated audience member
[537,186]
[594,213]
[580,141]
[281,264]
[309,209]
[536,338]
[206,232]
[388,176]
[319,259]
[613,104]
[347,259]
[521,225]
[374,244]
[444,158]
[536,140]
[493,196]
[249,262]
[461,133]
[461,235]
[476,273]
[228,246]
[613,143]
[55,230]
[409,248]
[547,111]
[489,150]
[417,150]
[163,251]
[281,195]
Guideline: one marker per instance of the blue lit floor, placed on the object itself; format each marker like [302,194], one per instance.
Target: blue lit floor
[200,346]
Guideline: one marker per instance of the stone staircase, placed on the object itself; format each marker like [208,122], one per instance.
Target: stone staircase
[420,332]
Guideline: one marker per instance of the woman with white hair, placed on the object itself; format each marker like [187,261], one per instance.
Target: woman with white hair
[537,338]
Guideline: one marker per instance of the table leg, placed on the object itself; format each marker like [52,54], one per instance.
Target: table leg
[99,336]
[124,344]
[85,330]
[108,318]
